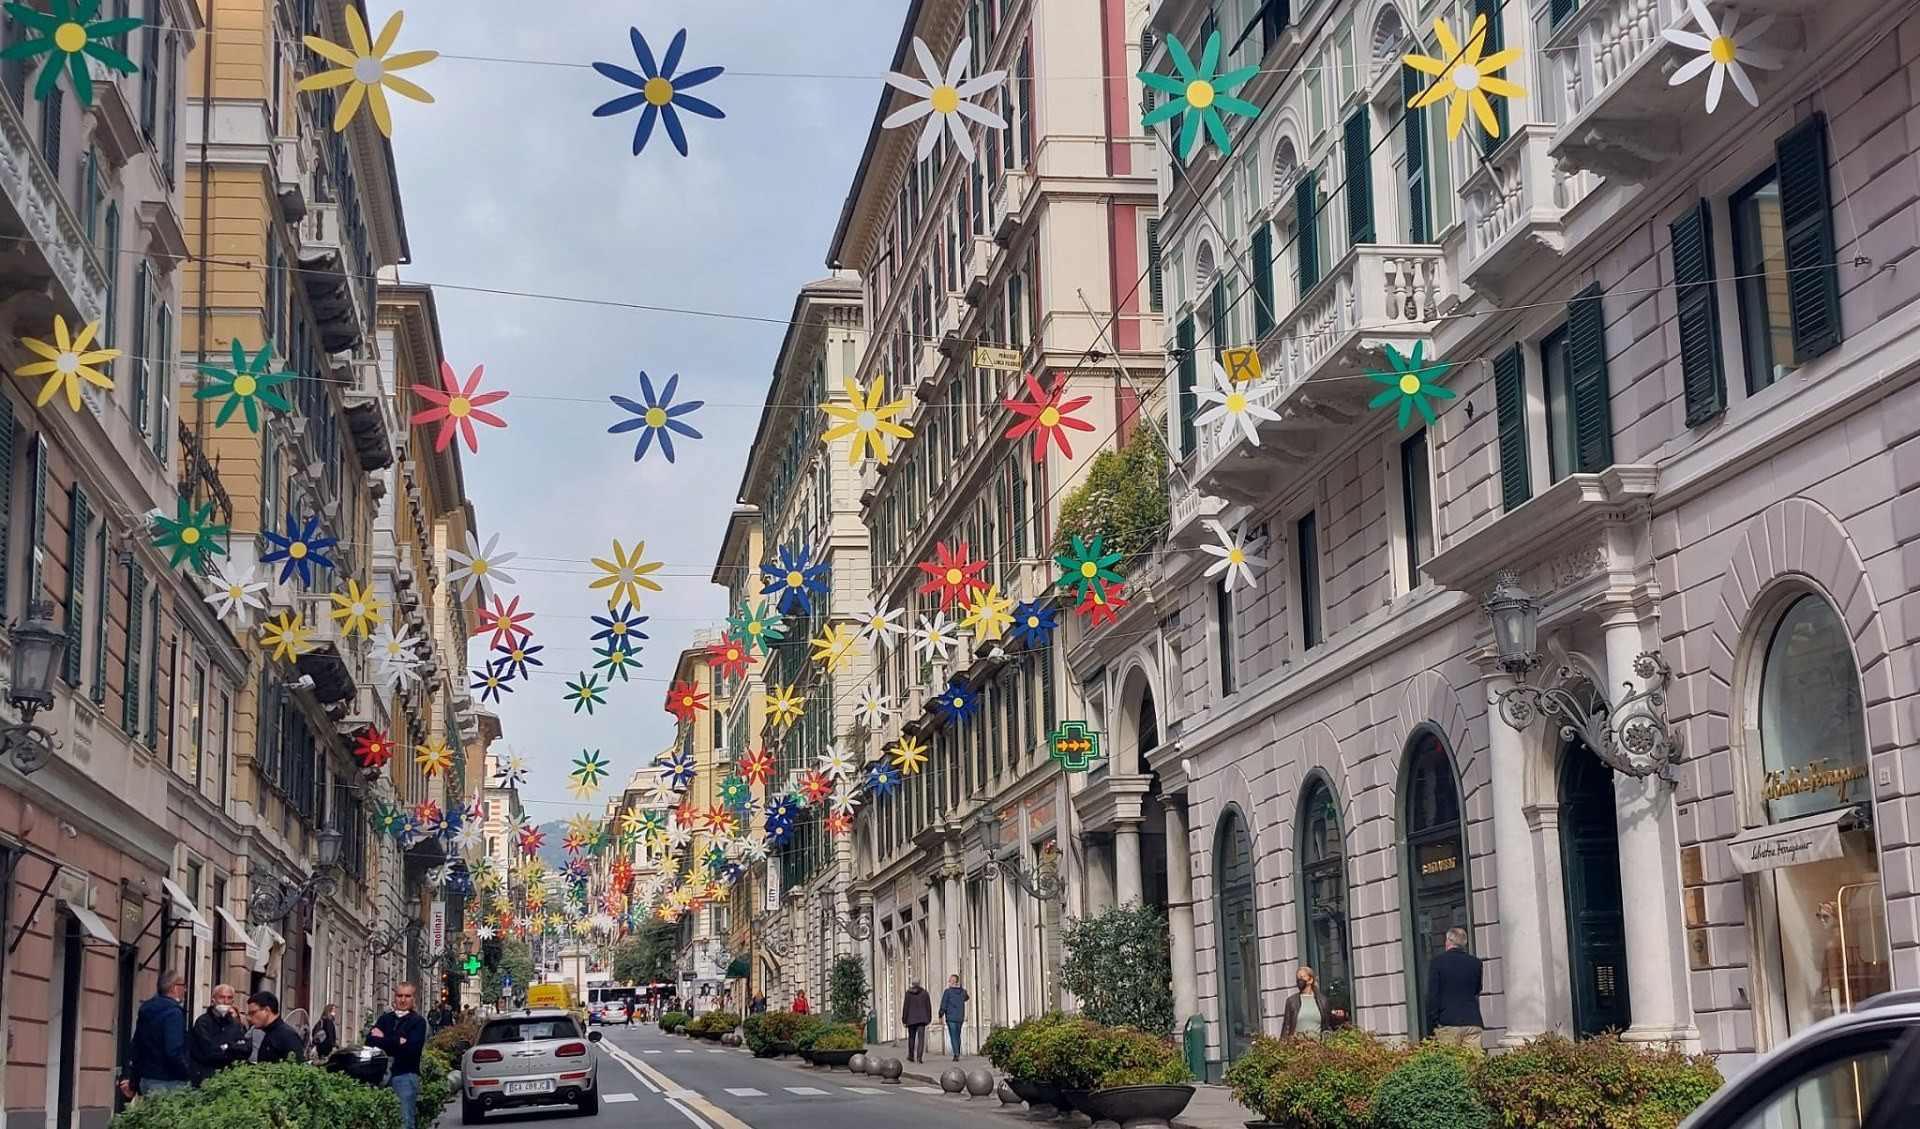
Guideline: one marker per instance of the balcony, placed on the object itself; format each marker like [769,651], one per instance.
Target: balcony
[1516,204]
[979,262]
[1010,204]
[54,246]
[328,663]
[952,314]
[1192,508]
[324,274]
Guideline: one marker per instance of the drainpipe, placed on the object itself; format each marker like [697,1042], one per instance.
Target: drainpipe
[206,212]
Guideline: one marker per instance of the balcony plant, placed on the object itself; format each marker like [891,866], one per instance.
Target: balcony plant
[1123,497]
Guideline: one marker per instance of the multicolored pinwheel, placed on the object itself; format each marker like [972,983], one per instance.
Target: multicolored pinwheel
[1088,568]
[729,658]
[867,420]
[756,766]
[507,622]
[374,748]
[956,575]
[957,703]
[434,757]
[620,627]
[685,700]
[756,625]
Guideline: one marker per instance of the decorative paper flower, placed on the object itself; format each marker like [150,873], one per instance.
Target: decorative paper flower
[778,830]
[374,748]
[784,707]
[620,627]
[1045,417]
[1088,568]
[957,703]
[589,768]
[68,361]
[1234,405]
[235,591]
[513,772]
[357,609]
[882,626]
[190,535]
[531,840]
[655,417]
[836,762]
[956,576]
[366,70]
[679,770]
[434,757]
[1102,606]
[796,579]
[661,94]
[1464,77]
[626,575]
[1727,53]
[815,787]
[469,835]
[722,822]
[867,419]
[479,566]
[427,817]
[688,813]
[1411,383]
[69,36]
[735,791]
[835,644]
[685,700]
[399,663]
[616,662]
[507,622]
[491,683]
[935,638]
[516,657]
[661,791]
[843,802]
[881,779]
[756,766]
[388,822]
[287,637]
[945,99]
[299,549]
[1200,95]
[989,615]
[586,693]
[729,658]
[247,386]
[456,406]
[909,755]
[873,709]
[486,933]
[755,625]
[1233,558]
[838,824]
[1033,623]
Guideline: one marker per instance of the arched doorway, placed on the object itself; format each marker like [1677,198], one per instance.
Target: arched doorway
[1436,863]
[1325,947]
[1239,937]
[1596,923]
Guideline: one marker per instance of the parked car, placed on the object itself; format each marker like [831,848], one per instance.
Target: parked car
[615,1012]
[1860,1070]
[536,1056]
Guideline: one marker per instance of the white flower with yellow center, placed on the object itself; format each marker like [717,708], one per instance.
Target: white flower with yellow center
[1234,405]
[946,99]
[843,802]
[236,590]
[1727,51]
[874,708]
[1233,558]
[880,626]
[478,569]
[936,637]
[836,762]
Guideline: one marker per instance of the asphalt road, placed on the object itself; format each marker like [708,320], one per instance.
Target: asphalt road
[654,1081]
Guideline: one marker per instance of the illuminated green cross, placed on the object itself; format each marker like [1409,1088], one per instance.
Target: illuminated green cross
[1075,746]
[472,965]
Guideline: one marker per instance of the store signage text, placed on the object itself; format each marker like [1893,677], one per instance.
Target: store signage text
[1797,780]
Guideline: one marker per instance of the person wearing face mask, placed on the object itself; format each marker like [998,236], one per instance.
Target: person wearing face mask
[1307,1012]
[219,1037]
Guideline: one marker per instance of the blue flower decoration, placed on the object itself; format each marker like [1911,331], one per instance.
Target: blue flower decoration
[1033,624]
[299,549]
[514,661]
[660,91]
[778,830]
[882,779]
[491,682]
[957,702]
[780,810]
[655,417]
[580,870]
[679,771]
[450,822]
[796,579]
[620,627]
[459,881]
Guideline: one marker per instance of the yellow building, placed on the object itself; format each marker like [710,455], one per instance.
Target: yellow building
[706,933]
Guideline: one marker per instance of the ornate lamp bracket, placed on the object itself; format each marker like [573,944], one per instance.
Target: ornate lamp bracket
[1632,737]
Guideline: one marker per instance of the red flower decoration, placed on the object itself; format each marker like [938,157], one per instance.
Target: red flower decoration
[756,767]
[686,815]
[573,843]
[721,821]
[839,823]
[955,577]
[685,701]
[1102,609]
[457,406]
[729,658]
[815,787]
[1045,417]
[507,622]
[374,749]
[622,875]
[531,840]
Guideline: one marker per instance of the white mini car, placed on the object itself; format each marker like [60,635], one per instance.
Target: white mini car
[533,1057]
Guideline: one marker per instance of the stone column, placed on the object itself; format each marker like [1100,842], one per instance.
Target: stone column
[954,917]
[1127,888]
[936,935]
[1098,894]
[1180,931]
[1523,975]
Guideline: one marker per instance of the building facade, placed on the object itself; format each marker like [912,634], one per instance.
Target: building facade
[704,952]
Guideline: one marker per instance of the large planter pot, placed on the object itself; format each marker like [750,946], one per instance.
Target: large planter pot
[831,1059]
[781,1048]
[1077,1100]
[1024,1090]
[807,1056]
[1137,1107]
[1046,1102]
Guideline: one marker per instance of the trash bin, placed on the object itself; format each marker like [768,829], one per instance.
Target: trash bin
[367,1065]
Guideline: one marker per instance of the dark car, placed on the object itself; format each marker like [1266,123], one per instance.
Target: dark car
[1860,1070]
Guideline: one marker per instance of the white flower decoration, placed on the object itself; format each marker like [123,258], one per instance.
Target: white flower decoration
[468,837]
[678,836]
[753,849]
[836,762]
[945,99]
[485,932]
[873,709]
[1234,405]
[661,793]
[1234,560]
[439,874]
[235,592]
[1727,53]
[478,568]
[880,627]
[843,802]
[603,922]
[935,637]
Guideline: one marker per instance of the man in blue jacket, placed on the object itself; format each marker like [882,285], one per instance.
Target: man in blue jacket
[402,1033]
[953,1009]
[157,1054]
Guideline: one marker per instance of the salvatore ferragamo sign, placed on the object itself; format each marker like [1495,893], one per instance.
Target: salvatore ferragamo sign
[1807,839]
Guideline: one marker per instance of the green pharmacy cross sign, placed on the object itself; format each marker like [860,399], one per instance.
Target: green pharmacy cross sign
[471,965]
[1075,746]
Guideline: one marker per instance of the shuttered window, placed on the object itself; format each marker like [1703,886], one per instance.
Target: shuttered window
[153,671]
[37,514]
[1183,343]
[1357,150]
[1218,312]
[1559,10]
[6,500]
[1702,373]
[1592,396]
[1413,124]
[1156,286]
[79,519]
[1510,406]
[163,391]
[1306,244]
[1495,41]
[1263,319]
[142,294]
[102,594]
[51,111]
[1806,217]
[130,684]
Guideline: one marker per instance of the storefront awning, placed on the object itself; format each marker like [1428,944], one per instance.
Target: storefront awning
[1811,838]
[245,939]
[185,910]
[90,923]
[266,940]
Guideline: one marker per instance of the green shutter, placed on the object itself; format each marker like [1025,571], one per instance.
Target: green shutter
[1806,220]
[1414,124]
[1592,398]
[1156,286]
[1358,153]
[1496,40]
[1510,405]
[1183,344]
[1701,371]
[79,517]
[153,673]
[1217,312]
[1559,10]
[102,601]
[130,687]
[141,366]
[6,498]
[1306,244]
[37,507]
[1263,320]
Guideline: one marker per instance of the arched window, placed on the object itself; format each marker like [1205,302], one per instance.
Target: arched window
[1239,936]
[1389,41]
[1286,168]
[1325,947]
[1204,269]
[1436,863]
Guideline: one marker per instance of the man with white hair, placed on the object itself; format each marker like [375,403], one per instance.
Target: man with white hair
[1453,993]
[157,1054]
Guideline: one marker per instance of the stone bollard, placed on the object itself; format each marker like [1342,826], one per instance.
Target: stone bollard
[857,1064]
[953,1080]
[979,1084]
[890,1071]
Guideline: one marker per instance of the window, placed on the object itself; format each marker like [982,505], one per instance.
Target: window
[1557,381]
[1436,864]
[1510,405]
[1698,315]
[1357,152]
[1183,345]
[1323,894]
[1156,285]
[1495,41]
[1573,370]
[1235,912]
[1306,241]
[1306,547]
[1784,254]
[79,517]
[1416,504]
[1263,309]
[130,668]
[1226,630]
[1413,126]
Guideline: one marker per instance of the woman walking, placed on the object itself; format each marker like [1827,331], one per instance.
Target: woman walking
[1307,1012]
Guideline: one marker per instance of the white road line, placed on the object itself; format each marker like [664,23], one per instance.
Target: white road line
[683,1052]
[633,1070]
[862,1090]
[807,1091]
[673,1094]
[698,1121]
[619,1097]
[717,1050]
[649,1052]
[746,1092]
[925,1089]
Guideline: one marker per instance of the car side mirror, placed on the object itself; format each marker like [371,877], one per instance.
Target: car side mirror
[595,1036]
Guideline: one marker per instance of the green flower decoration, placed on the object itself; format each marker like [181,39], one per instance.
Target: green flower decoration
[190,535]
[735,792]
[616,660]
[653,822]
[586,693]
[1411,383]
[756,624]
[247,385]
[1088,567]
[1199,94]
[69,37]
[715,858]
[389,821]
[589,768]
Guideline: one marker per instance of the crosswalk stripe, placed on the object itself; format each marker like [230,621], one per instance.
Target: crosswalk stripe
[926,1089]
[619,1097]
[683,1052]
[682,1095]
[862,1090]
[716,1050]
[807,1091]
[746,1092]
[649,1052]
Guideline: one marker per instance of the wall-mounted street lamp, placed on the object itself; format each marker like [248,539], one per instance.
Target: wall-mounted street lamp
[1632,736]
[857,925]
[39,646]
[393,937]
[273,900]
[1043,882]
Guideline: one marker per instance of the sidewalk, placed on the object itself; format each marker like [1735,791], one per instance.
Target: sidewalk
[1212,1107]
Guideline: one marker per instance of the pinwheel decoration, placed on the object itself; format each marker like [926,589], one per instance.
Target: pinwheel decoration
[957,703]
[389,822]
[626,574]
[679,771]
[513,772]
[287,637]
[795,579]
[867,420]
[935,637]
[874,708]
[835,644]
[722,821]
[67,361]
[659,94]
[507,622]
[586,693]
[735,792]
[366,69]
[1047,417]
[434,757]
[617,662]
[357,609]
[756,766]
[882,626]
[1463,78]
[1236,405]
[573,843]
[785,705]
[1411,383]
[955,575]
[299,550]
[235,592]
[1232,557]
[836,763]
[1725,52]
[1033,623]
[778,830]
[882,778]
[427,818]
[374,748]
[1088,568]
[839,823]
[620,627]
[729,658]
[514,659]
[1101,607]
[757,625]
[247,387]
[589,769]
[815,787]
[656,417]
[685,700]
[1200,94]
[491,682]
[989,615]
[945,99]
[69,36]
[190,535]
[909,755]
[479,567]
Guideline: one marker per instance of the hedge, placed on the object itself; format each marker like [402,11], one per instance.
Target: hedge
[285,1095]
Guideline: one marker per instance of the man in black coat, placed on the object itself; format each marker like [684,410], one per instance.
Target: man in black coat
[916,1011]
[157,1054]
[279,1042]
[1453,993]
[402,1033]
[219,1037]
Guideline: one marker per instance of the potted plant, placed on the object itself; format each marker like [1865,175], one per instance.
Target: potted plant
[1330,1082]
[1028,1062]
[806,1036]
[1145,1083]
[1247,1078]
[672,1021]
[835,1044]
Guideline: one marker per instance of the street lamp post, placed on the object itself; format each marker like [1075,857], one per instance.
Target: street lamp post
[39,647]
[271,903]
[1043,883]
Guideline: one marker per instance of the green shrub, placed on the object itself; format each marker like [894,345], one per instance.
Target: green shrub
[435,1090]
[1330,1082]
[285,1095]
[847,990]
[838,1037]
[1432,1089]
[1247,1077]
[1028,1055]
[1117,965]
[1078,1054]
[714,1023]
[1123,496]
[455,1040]
[997,1047]
[1600,1083]
[673,1020]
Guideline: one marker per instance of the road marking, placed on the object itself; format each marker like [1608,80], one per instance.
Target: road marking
[619,1097]
[710,1116]
[683,1052]
[807,1091]
[862,1090]
[649,1052]
[718,1050]
[746,1092]
[682,1094]
[689,1115]
[926,1089]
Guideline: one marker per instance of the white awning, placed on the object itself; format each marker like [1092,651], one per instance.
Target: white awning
[240,936]
[266,940]
[1811,838]
[95,928]
[185,910]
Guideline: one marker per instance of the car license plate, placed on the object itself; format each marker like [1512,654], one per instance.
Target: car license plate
[540,1086]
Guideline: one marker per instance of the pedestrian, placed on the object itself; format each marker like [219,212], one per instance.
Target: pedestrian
[326,1033]
[1307,1012]
[759,1004]
[157,1055]
[953,1009]
[441,1018]
[800,1002]
[916,1011]
[402,1033]
[279,1042]
[219,1037]
[1453,993]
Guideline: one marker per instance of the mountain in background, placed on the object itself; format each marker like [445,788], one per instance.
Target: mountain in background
[551,852]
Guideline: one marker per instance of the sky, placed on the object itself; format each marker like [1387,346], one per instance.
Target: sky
[510,183]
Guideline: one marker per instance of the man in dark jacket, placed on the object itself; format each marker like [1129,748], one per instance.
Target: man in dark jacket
[279,1042]
[953,1009]
[916,1011]
[157,1056]
[402,1033]
[1453,993]
[219,1037]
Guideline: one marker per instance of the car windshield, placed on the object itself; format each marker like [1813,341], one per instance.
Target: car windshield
[521,1030]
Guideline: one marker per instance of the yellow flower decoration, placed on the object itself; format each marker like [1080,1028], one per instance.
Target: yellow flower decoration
[1465,77]
[287,637]
[582,825]
[835,644]
[909,755]
[989,616]
[626,575]
[357,609]
[784,707]
[365,69]
[68,362]
[868,420]
[630,820]
[434,757]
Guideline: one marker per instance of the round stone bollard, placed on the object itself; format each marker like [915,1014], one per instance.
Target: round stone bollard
[890,1070]
[1006,1095]
[979,1084]
[857,1064]
[953,1080]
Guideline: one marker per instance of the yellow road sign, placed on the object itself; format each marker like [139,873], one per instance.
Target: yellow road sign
[986,356]
[1241,364]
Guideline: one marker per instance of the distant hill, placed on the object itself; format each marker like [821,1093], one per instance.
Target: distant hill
[551,852]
